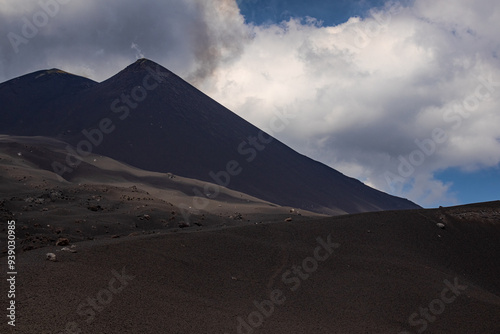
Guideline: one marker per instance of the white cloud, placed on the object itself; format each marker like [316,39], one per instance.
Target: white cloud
[364,91]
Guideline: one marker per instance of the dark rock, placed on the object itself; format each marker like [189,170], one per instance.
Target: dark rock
[62,242]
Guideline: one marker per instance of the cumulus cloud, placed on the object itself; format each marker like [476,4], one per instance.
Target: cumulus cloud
[391,99]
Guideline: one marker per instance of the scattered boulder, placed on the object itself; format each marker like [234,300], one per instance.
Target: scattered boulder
[289,219]
[95,208]
[184,225]
[55,195]
[67,249]
[62,242]
[51,257]
[441,226]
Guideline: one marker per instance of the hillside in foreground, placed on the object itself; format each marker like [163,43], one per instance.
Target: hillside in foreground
[388,272]
[104,198]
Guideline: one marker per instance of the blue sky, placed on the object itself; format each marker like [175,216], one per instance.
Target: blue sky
[330,12]
[363,85]
[473,187]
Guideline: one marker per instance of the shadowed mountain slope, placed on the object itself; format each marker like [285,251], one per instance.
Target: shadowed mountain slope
[150,118]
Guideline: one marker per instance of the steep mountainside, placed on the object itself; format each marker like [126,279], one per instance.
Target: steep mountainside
[150,118]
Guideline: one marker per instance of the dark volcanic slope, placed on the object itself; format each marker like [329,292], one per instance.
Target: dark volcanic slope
[105,198]
[156,121]
[36,102]
[387,276]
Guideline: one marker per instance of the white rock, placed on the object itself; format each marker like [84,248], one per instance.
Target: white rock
[51,257]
